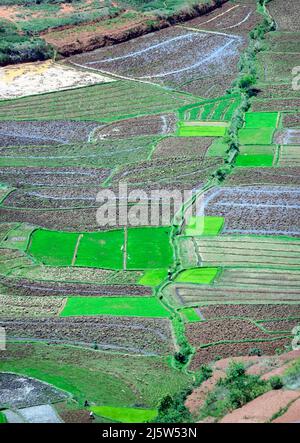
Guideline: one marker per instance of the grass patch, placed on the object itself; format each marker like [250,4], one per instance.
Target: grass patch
[203,276]
[153,277]
[101,250]
[254,160]
[217,149]
[149,248]
[53,247]
[187,130]
[261,119]
[125,415]
[204,225]
[100,377]
[123,306]
[253,136]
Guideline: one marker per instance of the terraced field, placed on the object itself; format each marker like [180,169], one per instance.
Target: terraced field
[122,313]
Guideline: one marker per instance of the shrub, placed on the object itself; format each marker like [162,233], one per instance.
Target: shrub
[173,409]
[204,373]
[233,391]
[276,382]
[255,351]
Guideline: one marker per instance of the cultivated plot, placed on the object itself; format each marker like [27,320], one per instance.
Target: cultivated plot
[29,133]
[256,209]
[169,57]
[119,306]
[104,102]
[239,285]
[232,250]
[130,334]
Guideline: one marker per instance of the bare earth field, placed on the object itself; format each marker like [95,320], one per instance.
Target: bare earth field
[39,77]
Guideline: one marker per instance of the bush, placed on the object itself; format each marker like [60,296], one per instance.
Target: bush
[204,373]
[16,48]
[276,382]
[173,409]
[255,351]
[233,391]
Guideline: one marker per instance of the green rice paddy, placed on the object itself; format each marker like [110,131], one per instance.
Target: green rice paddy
[191,315]
[125,415]
[188,130]
[153,277]
[204,225]
[120,306]
[198,275]
[145,248]
[53,248]
[261,119]
[101,250]
[254,160]
[217,149]
[256,136]
[149,248]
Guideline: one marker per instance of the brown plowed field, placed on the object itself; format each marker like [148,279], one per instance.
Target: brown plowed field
[125,334]
[207,355]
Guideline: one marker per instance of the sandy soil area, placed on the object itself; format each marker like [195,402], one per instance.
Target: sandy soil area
[40,77]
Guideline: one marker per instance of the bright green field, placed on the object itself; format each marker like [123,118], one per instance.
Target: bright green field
[253,136]
[153,277]
[149,248]
[261,119]
[204,225]
[191,315]
[2,418]
[254,160]
[201,131]
[123,306]
[125,415]
[101,250]
[197,275]
[53,248]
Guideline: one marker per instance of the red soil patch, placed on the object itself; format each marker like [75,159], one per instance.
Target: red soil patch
[292,415]
[66,8]
[224,363]
[275,372]
[288,356]
[262,408]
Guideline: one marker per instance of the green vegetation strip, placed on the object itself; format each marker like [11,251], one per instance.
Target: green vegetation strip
[197,275]
[2,418]
[201,131]
[125,415]
[119,306]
